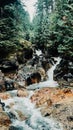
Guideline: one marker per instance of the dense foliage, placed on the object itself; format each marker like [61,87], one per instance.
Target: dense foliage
[51,29]
[53,26]
[14,24]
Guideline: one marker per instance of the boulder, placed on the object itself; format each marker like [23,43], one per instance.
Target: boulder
[16,128]
[2,82]
[33,78]
[4,128]
[64,70]
[42,73]
[22,93]
[9,65]
[28,53]
[4,119]
[9,85]
[46,65]
[4,96]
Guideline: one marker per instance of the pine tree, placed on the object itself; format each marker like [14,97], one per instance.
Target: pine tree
[42,23]
[14,21]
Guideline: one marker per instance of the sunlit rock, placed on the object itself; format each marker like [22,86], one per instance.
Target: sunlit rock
[22,93]
[42,73]
[21,116]
[5,96]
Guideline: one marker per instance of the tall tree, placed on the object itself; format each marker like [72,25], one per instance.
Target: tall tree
[14,21]
[44,7]
[61,27]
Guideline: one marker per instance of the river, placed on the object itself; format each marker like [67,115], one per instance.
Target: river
[34,120]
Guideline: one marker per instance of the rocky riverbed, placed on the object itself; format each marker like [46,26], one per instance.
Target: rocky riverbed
[53,102]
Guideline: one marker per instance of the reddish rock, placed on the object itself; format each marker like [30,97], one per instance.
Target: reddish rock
[4,96]
[54,94]
[4,119]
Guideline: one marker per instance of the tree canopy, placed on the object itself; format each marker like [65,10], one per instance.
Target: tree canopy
[53,28]
[14,25]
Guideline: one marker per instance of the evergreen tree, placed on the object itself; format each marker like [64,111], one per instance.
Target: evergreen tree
[14,25]
[61,28]
[42,23]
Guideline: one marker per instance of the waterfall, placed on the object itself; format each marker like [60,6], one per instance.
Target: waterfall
[34,120]
[49,82]
[51,70]
[38,52]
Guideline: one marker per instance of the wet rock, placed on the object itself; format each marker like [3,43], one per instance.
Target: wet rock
[18,85]
[22,93]
[49,102]
[28,53]
[64,70]
[2,104]
[68,76]
[68,90]
[9,65]
[1,109]
[12,115]
[4,128]
[33,78]
[70,118]
[4,119]
[9,85]
[46,65]
[71,84]
[16,128]
[47,114]
[42,73]
[2,82]
[5,96]
[57,105]
[22,117]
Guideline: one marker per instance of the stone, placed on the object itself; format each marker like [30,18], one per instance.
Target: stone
[33,78]
[9,65]
[4,96]
[70,118]
[2,82]
[16,128]
[4,119]
[22,93]
[28,53]
[42,73]
[49,102]
[4,128]
[22,117]
[71,84]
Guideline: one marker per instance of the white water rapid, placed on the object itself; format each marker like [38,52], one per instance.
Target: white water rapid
[50,82]
[20,107]
[34,119]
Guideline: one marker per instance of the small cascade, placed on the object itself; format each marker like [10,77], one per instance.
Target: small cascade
[51,70]
[49,82]
[34,119]
[38,52]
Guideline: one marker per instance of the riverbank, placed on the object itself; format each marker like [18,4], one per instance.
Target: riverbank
[31,90]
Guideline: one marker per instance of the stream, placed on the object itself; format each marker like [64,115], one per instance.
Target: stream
[34,120]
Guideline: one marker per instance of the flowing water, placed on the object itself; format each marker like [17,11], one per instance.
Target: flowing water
[34,119]
[50,81]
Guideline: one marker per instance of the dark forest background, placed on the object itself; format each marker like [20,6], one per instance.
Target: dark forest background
[51,29]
